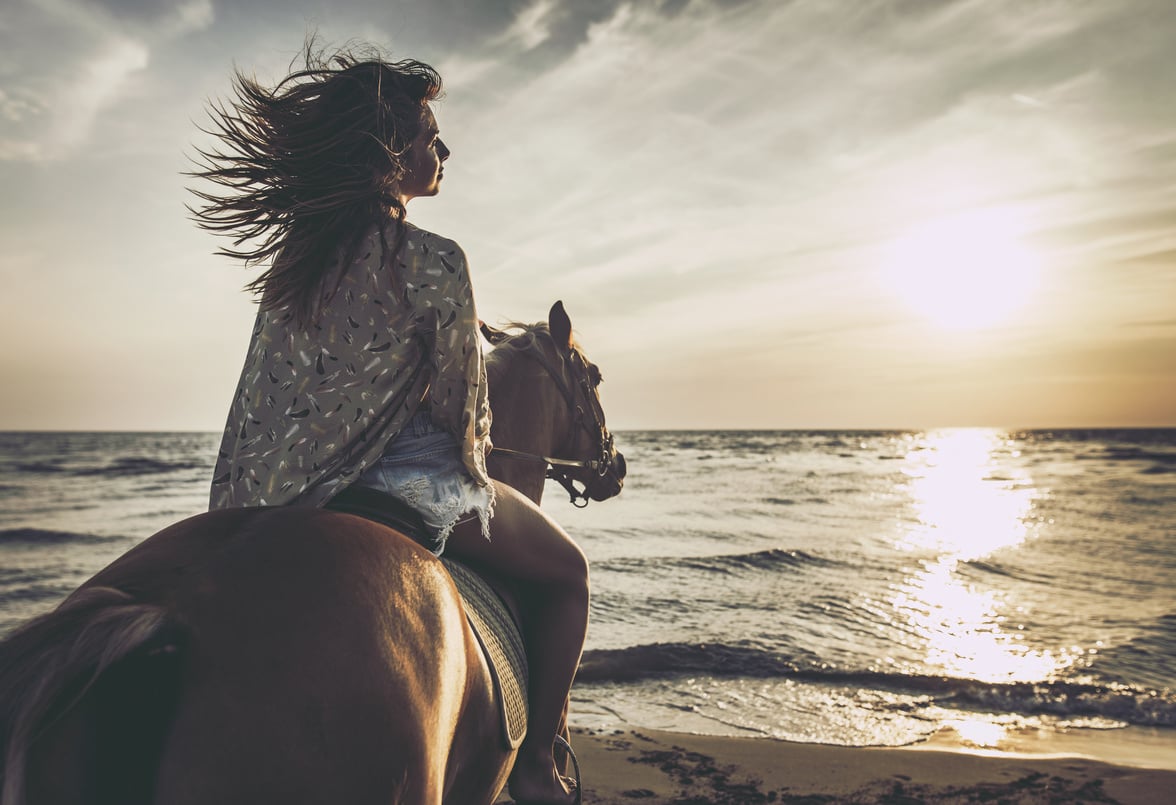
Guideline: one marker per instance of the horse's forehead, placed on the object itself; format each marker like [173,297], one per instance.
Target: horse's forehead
[538,337]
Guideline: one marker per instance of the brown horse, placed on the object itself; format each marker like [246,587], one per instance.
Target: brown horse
[290,655]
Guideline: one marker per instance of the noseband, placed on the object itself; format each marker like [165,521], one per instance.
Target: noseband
[559,469]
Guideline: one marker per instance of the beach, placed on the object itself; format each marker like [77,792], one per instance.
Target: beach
[655,767]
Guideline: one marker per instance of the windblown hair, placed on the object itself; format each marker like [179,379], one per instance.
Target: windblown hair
[303,170]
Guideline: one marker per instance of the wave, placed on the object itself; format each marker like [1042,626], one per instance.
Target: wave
[39,593]
[1146,659]
[1159,469]
[760,560]
[40,536]
[1154,708]
[771,559]
[661,659]
[1162,437]
[1162,458]
[981,567]
[119,468]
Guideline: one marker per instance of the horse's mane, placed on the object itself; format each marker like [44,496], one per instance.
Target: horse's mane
[515,338]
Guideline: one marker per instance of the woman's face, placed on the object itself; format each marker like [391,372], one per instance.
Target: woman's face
[423,161]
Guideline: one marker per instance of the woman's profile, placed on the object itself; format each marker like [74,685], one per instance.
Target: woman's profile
[365,365]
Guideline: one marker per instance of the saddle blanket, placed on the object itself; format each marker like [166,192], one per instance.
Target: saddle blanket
[502,642]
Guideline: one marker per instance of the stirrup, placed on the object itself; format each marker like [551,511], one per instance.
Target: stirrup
[575,765]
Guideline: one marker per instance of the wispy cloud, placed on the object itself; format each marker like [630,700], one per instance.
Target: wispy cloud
[792,120]
[532,27]
[50,105]
[713,164]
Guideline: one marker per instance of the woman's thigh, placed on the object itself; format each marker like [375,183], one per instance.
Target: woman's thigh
[525,544]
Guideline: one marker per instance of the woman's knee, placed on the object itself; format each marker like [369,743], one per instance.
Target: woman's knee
[564,563]
[544,542]
[575,570]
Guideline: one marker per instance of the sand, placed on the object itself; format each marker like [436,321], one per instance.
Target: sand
[650,767]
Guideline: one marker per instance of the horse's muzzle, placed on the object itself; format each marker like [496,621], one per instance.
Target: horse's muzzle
[603,487]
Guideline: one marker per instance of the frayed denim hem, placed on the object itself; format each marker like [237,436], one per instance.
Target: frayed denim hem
[423,467]
[484,509]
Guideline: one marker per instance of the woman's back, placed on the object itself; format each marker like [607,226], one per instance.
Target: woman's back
[317,402]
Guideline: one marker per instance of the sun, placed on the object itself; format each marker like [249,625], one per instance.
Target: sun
[964,272]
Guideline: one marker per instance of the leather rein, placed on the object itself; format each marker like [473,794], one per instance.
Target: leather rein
[559,469]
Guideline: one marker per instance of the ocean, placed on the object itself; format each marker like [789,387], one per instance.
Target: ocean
[842,587]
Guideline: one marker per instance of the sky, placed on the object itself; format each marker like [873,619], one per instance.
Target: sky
[758,213]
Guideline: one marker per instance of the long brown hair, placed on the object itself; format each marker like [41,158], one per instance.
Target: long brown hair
[304,169]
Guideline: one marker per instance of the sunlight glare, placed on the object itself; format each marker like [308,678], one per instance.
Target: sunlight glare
[968,500]
[964,272]
[964,501]
[978,731]
[963,629]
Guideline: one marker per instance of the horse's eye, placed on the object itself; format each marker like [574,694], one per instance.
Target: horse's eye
[594,376]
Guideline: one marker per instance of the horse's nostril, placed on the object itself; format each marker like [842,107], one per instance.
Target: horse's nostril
[621,467]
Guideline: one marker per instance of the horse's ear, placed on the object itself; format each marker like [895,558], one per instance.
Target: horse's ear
[494,336]
[560,325]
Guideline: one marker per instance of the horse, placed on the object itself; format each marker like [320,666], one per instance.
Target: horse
[292,654]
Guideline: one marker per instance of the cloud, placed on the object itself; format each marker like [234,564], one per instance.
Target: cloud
[50,103]
[726,121]
[734,171]
[705,181]
[531,27]
[169,18]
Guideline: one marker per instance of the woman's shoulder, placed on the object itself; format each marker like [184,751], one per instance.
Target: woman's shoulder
[430,248]
[429,242]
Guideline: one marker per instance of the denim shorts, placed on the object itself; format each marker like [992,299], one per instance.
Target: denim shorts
[422,466]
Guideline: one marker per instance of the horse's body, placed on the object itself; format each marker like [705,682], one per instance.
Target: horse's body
[289,655]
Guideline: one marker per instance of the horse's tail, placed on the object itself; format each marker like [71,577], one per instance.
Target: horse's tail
[49,665]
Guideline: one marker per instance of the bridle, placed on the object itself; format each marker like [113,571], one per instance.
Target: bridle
[590,421]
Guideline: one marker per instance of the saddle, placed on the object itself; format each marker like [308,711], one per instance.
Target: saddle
[494,625]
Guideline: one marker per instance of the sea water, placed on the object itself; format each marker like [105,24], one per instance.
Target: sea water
[855,588]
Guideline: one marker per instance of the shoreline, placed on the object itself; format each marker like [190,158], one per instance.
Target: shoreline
[658,767]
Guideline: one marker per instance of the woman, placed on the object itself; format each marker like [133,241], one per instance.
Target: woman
[365,365]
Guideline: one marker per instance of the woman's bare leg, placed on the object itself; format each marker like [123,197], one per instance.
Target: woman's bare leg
[531,549]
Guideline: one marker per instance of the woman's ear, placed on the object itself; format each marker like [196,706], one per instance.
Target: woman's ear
[561,326]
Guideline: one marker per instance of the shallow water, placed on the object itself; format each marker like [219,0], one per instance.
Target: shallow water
[855,588]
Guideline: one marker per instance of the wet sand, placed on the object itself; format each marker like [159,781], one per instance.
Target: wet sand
[650,767]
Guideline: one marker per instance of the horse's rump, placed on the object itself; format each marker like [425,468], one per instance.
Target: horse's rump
[270,640]
[495,625]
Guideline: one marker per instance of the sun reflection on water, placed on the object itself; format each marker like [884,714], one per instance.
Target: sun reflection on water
[978,731]
[968,500]
[965,502]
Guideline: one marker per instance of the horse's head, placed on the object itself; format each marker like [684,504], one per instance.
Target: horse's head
[547,414]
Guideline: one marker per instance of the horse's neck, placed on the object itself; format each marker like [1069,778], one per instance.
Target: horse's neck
[524,479]
[528,417]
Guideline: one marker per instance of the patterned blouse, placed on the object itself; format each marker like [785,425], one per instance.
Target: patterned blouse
[316,406]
